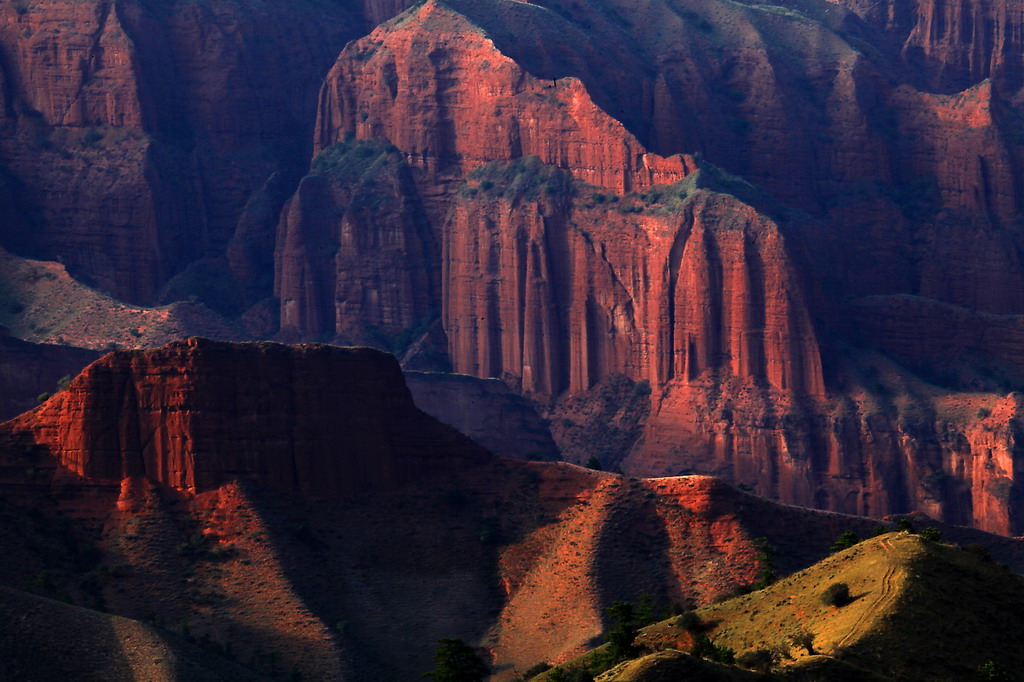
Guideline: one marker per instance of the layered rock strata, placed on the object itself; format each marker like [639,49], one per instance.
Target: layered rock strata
[318,421]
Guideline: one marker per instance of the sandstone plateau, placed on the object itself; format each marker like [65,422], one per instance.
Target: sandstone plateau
[311,494]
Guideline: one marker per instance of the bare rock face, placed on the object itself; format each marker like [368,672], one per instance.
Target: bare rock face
[318,421]
[487,411]
[511,181]
[435,86]
[680,288]
[952,44]
[139,131]
[889,443]
[567,292]
[356,260]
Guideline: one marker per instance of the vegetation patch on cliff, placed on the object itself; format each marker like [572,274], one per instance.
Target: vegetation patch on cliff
[527,177]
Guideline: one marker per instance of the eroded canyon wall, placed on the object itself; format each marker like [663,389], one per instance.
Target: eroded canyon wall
[321,421]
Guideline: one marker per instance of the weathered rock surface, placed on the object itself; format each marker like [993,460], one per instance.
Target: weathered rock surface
[319,421]
[139,131]
[510,206]
[42,303]
[28,370]
[952,45]
[487,411]
[719,305]
[559,294]
[356,259]
[404,531]
[473,105]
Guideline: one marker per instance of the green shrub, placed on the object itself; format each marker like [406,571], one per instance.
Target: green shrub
[533,671]
[570,674]
[836,594]
[763,660]
[625,626]
[641,389]
[932,534]
[690,622]
[845,540]
[91,138]
[990,670]
[905,526]
[455,661]
[766,574]
[703,647]
[804,639]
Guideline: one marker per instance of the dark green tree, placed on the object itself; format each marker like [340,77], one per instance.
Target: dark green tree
[625,626]
[766,574]
[533,671]
[845,540]
[594,463]
[932,534]
[905,526]
[571,674]
[990,670]
[457,662]
[703,647]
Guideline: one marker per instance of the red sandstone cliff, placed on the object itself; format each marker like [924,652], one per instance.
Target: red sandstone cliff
[561,293]
[473,105]
[139,131]
[952,44]
[893,126]
[320,421]
[356,259]
[560,288]
[404,532]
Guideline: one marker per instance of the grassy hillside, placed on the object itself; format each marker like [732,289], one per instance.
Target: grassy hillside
[917,610]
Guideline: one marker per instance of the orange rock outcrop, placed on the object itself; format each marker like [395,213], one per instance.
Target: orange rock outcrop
[318,421]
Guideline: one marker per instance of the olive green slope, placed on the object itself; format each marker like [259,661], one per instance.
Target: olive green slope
[918,610]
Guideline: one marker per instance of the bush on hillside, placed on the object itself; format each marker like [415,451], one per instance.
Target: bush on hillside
[623,632]
[457,662]
[766,574]
[905,526]
[763,660]
[570,674]
[804,639]
[703,647]
[690,622]
[533,671]
[836,594]
[845,540]
[990,670]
